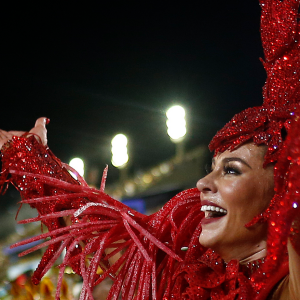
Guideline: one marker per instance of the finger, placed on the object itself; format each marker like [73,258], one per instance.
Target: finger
[5,134]
[40,129]
[16,133]
[4,137]
[41,122]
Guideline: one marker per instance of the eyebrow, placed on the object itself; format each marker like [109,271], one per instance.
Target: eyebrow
[228,159]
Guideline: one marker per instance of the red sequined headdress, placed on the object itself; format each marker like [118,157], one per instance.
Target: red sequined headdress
[268,123]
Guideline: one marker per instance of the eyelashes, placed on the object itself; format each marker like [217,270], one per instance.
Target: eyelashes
[227,169]
[231,170]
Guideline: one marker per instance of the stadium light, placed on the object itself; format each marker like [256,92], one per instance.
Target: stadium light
[78,164]
[176,123]
[119,151]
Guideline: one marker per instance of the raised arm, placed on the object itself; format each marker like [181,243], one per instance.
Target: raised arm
[151,245]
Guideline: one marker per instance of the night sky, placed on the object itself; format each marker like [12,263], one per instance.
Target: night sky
[97,70]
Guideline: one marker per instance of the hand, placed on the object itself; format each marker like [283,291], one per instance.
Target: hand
[39,130]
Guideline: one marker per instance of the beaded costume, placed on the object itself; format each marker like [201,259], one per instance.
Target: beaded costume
[153,264]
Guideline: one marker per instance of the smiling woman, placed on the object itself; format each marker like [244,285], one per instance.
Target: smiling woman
[240,188]
[235,237]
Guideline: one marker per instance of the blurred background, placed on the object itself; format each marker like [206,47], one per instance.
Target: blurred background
[116,68]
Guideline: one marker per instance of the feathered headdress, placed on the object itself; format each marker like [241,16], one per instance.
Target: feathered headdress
[268,124]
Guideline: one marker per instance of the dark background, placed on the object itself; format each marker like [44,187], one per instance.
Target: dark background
[97,70]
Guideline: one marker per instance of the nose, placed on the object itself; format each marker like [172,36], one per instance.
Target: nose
[206,184]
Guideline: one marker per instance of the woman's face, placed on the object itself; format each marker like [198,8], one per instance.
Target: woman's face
[237,189]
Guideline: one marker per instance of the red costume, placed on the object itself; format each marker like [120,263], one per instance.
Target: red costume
[153,264]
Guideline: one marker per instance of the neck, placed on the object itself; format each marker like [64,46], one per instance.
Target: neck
[255,256]
[245,253]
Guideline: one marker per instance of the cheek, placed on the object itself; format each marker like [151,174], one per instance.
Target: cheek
[238,193]
[269,188]
[244,195]
[264,190]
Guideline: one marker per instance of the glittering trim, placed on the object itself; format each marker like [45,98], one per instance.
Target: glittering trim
[281,93]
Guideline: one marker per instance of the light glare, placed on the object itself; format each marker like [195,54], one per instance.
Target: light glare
[120,140]
[119,151]
[119,159]
[175,112]
[176,123]
[78,164]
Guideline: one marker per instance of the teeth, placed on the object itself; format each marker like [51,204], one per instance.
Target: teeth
[213,208]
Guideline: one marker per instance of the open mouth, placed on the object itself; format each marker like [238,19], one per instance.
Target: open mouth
[212,211]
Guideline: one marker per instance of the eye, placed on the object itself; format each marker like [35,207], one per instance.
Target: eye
[231,170]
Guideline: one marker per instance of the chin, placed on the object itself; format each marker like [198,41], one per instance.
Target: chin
[206,239]
[238,246]
[213,232]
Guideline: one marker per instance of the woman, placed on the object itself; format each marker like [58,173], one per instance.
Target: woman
[248,230]
[237,189]
[240,186]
